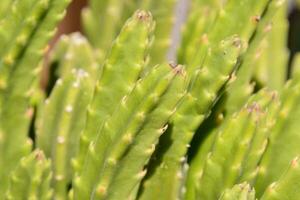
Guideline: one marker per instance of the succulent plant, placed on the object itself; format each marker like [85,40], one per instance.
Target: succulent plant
[118,120]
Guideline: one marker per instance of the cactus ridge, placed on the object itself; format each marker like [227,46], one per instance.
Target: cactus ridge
[129,117]
[207,70]
[19,68]
[31,178]
[124,64]
[241,191]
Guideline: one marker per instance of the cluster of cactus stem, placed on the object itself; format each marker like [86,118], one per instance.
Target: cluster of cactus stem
[117,120]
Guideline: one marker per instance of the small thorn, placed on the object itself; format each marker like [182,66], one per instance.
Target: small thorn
[268,28]
[255,18]
[182,159]
[47,101]
[179,175]
[141,174]
[204,39]
[272,185]
[59,82]
[29,113]
[127,138]
[143,15]
[150,150]
[124,100]
[112,161]
[141,115]
[61,139]
[76,84]
[163,129]
[295,162]
[39,155]
[59,177]
[102,190]
[69,109]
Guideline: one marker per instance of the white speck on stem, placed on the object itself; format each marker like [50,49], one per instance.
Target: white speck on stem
[69,109]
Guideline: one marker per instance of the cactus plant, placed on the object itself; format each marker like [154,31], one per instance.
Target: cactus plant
[118,120]
[239,192]
[31,178]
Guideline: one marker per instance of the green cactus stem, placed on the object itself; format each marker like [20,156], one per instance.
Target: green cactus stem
[107,18]
[199,22]
[23,44]
[239,192]
[106,152]
[196,106]
[271,70]
[192,111]
[62,120]
[296,66]
[241,87]
[278,154]
[31,179]
[164,15]
[132,167]
[287,187]
[119,73]
[74,52]
[246,134]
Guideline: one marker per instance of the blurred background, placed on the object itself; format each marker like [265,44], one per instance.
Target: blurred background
[71,23]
